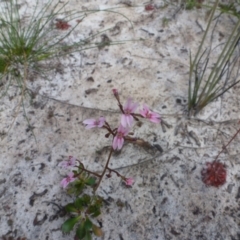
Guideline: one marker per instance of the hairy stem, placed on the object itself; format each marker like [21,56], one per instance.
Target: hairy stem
[224,147]
[105,168]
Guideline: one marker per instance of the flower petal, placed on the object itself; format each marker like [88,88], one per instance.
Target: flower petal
[127,104]
[134,106]
[155,120]
[129,120]
[64,183]
[63,164]
[120,142]
[89,121]
[115,143]
[124,120]
[101,122]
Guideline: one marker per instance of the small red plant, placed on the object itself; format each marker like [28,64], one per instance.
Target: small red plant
[149,7]
[62,25]
[214,174]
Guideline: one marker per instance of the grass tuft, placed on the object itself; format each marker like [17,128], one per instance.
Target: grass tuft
[205,87]
[25,41]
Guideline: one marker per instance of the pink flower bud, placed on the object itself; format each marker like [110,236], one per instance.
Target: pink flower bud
[129,181]
[115,92]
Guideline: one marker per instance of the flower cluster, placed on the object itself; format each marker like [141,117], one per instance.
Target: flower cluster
[119,135]
[71,162]
[126,122]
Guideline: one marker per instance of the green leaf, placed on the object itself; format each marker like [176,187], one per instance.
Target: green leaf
[75,172]
[70,208]
[97,230]
[88,224]
[69,224]
[94,210]
[86,199]
[91,181]
[88,236]
[96,213]
[76,187]
[81,231]
[78,203]
[79,186]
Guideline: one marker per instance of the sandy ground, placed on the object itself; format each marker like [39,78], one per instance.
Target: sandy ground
[168,199]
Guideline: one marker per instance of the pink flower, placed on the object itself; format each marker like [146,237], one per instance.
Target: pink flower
[92,123]
[129,181]
[129,108]
[67,180]
[69,163]
[119,138]
[152,116]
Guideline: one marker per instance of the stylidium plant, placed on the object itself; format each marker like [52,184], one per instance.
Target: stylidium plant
[86,207]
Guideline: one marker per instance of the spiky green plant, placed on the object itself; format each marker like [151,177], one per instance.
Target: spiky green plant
[205,88]
[37,40]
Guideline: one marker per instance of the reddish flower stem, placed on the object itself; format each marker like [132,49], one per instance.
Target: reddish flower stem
[88,171]
[109,129]
[224,147]
[119,103]
[104,170]
[117,173]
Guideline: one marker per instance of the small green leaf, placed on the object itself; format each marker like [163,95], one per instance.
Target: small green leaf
[79,186]
[70,208]
[91,181]
[78,203]
[88,224]
[75,172]
[86,199]
[81,231]
[83,175]
[96,213]
[97,230]
[69,224]
[94,210]
[76,187]
[88,236]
